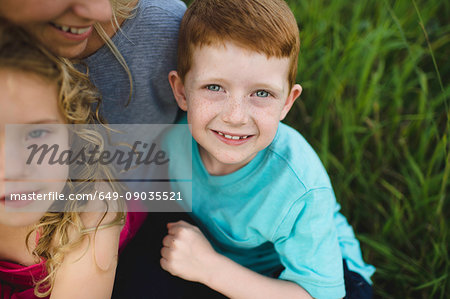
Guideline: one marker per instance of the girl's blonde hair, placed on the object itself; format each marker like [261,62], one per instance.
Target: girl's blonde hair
[77,95]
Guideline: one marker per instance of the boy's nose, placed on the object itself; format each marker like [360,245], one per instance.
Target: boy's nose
[234,111]
[97,10]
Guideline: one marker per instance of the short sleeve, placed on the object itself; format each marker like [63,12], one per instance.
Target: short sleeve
[306,242]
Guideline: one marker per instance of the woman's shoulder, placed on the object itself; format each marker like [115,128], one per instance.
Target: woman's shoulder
[171,7]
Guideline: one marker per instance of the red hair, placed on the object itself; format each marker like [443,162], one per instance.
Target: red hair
[264,26]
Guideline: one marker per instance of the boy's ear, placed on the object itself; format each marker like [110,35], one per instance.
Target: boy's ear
[295,92]
[178,90]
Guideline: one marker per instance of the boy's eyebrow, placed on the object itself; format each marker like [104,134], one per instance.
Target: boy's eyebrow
[204,79]
[271,87]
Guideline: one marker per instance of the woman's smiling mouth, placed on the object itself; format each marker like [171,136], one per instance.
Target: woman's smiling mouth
[72,30]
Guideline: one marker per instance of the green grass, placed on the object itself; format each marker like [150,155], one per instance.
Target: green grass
[375,106]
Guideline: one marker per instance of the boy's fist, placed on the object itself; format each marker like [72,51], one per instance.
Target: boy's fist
[187,253]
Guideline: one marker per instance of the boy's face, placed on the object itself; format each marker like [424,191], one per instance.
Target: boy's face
[235,99]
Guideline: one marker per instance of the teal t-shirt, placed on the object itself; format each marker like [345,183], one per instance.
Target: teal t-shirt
[278,210]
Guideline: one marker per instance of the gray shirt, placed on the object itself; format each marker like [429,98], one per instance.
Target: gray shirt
[148,42]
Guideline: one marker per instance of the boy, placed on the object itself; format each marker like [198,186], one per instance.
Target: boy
[260,194]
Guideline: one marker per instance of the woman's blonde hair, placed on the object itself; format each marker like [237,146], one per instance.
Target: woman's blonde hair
[121,10]
[77,95]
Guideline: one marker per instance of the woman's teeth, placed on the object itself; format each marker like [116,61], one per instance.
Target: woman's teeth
[72,29]
[232,137]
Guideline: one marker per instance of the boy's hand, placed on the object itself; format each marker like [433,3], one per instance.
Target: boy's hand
[186,252]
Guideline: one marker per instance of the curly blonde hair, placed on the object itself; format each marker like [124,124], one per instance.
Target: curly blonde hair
[77,96]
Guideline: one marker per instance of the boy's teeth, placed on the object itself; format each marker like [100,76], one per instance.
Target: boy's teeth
[232,137]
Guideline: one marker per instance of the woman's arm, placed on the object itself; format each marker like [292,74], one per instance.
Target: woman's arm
[188,254]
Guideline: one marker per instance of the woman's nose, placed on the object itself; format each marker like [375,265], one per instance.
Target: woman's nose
[97,10]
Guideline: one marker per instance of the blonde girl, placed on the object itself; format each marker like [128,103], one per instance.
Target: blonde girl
[127,46]
[69,254]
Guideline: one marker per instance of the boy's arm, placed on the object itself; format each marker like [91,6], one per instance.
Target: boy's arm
[307,245]
[188,254]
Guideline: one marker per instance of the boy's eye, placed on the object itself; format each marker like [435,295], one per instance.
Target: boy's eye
[37,134]
[262,94]
[213,87]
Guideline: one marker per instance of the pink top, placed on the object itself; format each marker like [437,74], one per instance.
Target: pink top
[16,281]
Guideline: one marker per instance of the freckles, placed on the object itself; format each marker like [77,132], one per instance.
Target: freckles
[203,108]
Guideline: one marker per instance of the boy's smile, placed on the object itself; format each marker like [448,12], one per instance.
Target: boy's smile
[235,99]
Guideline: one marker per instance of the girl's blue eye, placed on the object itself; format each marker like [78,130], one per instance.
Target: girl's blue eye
[213,87]
[262,94]
[37,133]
